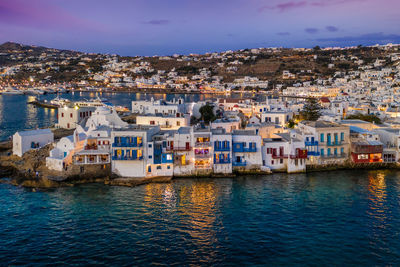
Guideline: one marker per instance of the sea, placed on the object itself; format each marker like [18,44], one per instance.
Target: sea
[338,218]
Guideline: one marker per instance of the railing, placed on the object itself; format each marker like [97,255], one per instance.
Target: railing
[244,149]
[202,156]
[225,161]
[304,156]
[222,149]
[239,164]
[126,158]
[339,143]
[203,144]
[91,147]
[313,153]
[333,156]
[127,145]
[177,149]
[284,156]
[312,143]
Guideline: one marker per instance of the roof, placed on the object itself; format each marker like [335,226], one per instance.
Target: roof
[356,129]
[35,132]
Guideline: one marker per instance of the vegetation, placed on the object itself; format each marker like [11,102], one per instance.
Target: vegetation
[365,117]
[311,110]
[207,113]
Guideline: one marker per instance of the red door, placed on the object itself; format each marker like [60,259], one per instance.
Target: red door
[172,145]
[187,146]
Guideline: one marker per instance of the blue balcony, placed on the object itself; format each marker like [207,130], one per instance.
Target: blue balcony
[311,143]
[126,158]
[224,161]
[221,149]
[127,145]
[244,149]
[239,164]
[313,153]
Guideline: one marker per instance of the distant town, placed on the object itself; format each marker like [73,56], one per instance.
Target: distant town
[323,108]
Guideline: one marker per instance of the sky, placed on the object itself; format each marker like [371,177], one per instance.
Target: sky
[166,27]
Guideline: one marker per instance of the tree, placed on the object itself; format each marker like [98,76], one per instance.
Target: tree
[291,123]
[207,113]
[311,110]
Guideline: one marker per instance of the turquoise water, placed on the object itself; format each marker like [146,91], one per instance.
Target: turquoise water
[335,218]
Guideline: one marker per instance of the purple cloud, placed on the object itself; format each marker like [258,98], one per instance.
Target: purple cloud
[287,6]
[284,6]
[331,28]
[158,22]
[311,30]
[369,38]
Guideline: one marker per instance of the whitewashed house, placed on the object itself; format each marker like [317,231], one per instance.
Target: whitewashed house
[26,140]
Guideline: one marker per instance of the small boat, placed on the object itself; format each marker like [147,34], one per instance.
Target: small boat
[12,91]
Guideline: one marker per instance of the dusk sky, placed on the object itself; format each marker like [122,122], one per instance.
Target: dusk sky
[163,27]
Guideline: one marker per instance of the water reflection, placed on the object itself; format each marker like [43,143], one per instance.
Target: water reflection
[196,205]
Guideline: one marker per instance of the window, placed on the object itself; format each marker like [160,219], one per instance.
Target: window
[329,151]
[70,115]
[152,122]
[341,136]
[62,114]
[342,151]
[159,167]
[281,161]
[322,152]
[150,145]
[322,138]
[150,156]
[169,156]
[178,123]
[168,167]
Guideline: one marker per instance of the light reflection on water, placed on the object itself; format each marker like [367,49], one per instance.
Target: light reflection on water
[339,218]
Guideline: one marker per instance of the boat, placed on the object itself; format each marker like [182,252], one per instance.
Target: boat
[59,102]
[97,102]
[12,91]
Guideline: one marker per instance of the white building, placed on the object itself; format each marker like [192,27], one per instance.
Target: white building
[246,147]
[284,153]
[170,122]
[26,140]
[71,116]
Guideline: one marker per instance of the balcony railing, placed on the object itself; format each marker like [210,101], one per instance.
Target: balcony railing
[244,149]
[127,144]
[283,156]
[333,156]
[313,153]
[222,149]
[303,156]
[311,143]
[177,149]
[126,158]
[338,143]
[239,164]
[225,161]
[203,144]
[202,156]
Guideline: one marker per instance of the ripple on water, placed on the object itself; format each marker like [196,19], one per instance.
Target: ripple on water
[338,218]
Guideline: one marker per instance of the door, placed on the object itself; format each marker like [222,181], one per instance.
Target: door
[172,145]
[187,145]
